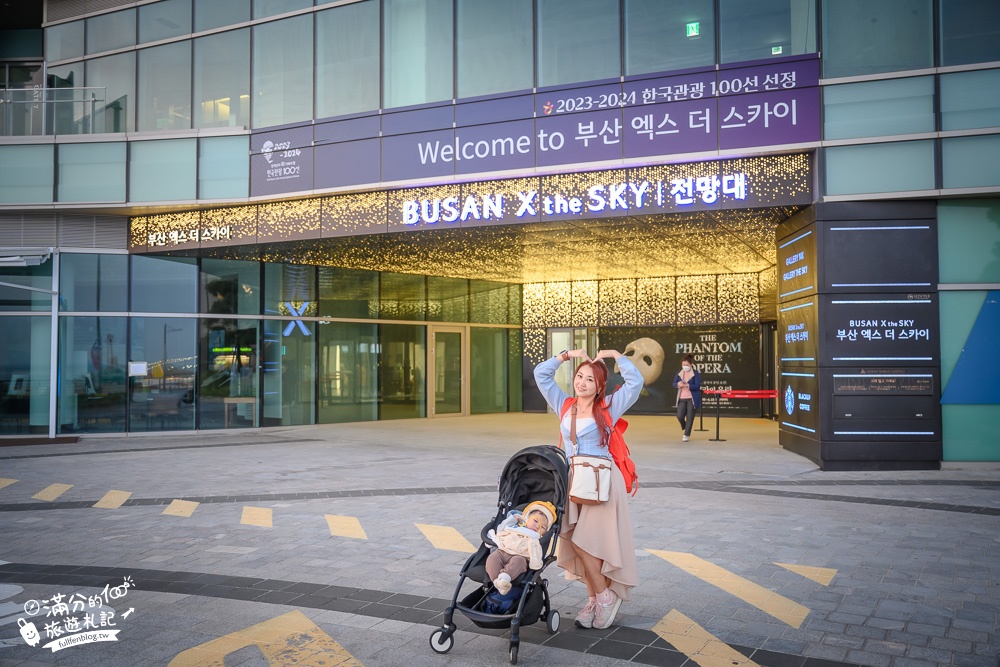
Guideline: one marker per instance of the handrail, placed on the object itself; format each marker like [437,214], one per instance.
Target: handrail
[47,111]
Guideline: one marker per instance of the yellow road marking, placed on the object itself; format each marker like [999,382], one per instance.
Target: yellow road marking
[52,491]
[446,537]
[4,481]
[821,575]
[345,526]
[783,609]
[256,516]
[289,639]
[698,643]
[112,500]
[181,508]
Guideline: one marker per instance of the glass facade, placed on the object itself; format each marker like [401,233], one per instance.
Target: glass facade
[151,161]
[347,59]
[219,352]
[221,79]
[418,52]
[109,32]
[164,99]
[578,40]
[93,378]
[494,47]
[861,37]
[116,75]
[766,28]
[24,374]
[662,36]
[348,372]
[163,399]
[26,174]
[93,283]
[163,20]
[879,108]
[282,80]
[91,172]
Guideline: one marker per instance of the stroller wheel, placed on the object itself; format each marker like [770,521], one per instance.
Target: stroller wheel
[552,622]
[441,643]
[513,654]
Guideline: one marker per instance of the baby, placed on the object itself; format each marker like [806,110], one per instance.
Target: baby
[517,544]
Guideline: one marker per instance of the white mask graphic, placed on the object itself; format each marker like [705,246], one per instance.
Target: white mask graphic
[647,355]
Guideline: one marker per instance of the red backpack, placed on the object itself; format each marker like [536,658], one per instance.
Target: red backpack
[618,448]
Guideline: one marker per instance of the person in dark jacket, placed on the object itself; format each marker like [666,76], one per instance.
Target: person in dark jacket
[688,384]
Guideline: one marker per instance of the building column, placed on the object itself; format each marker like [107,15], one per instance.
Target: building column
[858,335]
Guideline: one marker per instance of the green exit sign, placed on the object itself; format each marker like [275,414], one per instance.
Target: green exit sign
[776,50]
[693,29]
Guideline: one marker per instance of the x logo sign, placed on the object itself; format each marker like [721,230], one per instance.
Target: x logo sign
[291,325]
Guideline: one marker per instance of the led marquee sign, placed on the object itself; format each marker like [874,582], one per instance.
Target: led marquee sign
[635,197]
[776,180]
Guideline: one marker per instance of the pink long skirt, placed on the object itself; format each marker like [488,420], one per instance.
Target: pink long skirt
[604,531]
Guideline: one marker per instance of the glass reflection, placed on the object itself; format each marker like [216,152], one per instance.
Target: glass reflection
[488,370]
[24,374]
[93,380]
[348,372]
[289,373]
[163,399]
[402,371]
[228,396]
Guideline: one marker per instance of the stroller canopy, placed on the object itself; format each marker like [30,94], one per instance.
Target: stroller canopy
[534,473]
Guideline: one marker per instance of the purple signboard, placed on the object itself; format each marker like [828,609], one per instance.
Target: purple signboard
[670,129]
[500,146]
[281,161]
[418,155]
[738,106]
[349,161]
[583,137]
[783,117]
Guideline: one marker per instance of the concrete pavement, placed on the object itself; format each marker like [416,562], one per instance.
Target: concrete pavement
[301,546]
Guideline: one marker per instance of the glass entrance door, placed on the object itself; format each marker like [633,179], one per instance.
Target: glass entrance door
[447,372]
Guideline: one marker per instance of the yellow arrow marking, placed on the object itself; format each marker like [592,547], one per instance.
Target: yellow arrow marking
[446,537]
[783,609]
[821,575]
[112,500]
[4,481]
[345,526]
[698,643]
[256,516]
[181,508]
[289,639]
[52,491]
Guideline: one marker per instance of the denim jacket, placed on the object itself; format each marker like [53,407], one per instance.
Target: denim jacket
[588,439]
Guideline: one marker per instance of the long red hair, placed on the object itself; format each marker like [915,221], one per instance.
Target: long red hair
[601,416]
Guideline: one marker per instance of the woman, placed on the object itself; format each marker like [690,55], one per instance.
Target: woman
[595,545]
[688,384]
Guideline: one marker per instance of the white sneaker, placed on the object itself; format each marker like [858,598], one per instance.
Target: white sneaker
[686,438]
[502,582]
[606,613]
[585,618]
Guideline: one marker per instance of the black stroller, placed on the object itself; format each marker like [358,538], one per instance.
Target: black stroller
[534,473]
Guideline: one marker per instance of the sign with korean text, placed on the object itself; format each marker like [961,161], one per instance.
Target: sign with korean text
[773,180]
[733,106]
[880,329]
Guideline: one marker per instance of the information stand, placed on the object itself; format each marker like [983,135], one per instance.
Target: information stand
[759,394]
